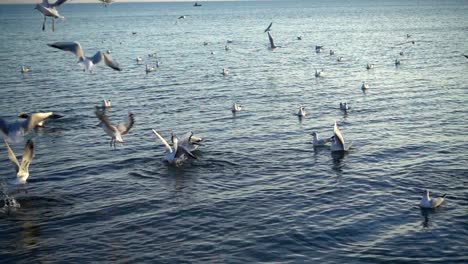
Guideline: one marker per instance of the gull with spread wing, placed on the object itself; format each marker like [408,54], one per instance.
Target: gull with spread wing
[177,153]
[22,169]
[114,131]
[50,10]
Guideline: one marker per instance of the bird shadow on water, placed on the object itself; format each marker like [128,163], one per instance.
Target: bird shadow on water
[426,213]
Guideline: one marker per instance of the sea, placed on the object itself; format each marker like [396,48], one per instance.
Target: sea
[259,191]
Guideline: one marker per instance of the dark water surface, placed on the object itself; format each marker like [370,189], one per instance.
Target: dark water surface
[259,191]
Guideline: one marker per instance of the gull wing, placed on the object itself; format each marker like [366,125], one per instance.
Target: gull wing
[125,127]
[272,44]
[437,201]
[168,147]
[184,139]
[57,3]
[12,156]
[338,135]
[268,28]
[181,149]
[111,63]
[73,47]
[104,119]
[28,155]
[36,118]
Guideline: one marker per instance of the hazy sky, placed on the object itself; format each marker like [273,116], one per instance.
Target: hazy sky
[95,1]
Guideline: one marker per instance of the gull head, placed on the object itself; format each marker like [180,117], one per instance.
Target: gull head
[23,115]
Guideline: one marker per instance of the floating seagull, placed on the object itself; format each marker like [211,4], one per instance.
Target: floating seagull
[50,10]
[225,71]
[108,51]
[189,141]
[177,153]
[319,142]
[428,202]
[344,106]
[226,48]
[269,27]
[332,52]
[397,62]
[408,36]
[299,38]
[301,112]
[369,66]
[318,48]
[15,131]
[106,103]
[149,68]
[107,2]
[319,73]
[139,60]
[25,69]
[22,170]
[364,86]
[43,116]
[88,62]
[182,17]
[272,44]
[115,132]
[338,142]
[236,108]
[339,59]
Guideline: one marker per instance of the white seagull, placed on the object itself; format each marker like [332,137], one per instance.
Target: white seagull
[106,103]
[369,66]
[87,62]
[319,73]
[225,71]
[319,142]
[149,68]
[364,86]
[25,69]
[115,131]
[177,153]
[344,106]
[22,169]
[338,142]
[50,10]
[139,60]
[428,202]
[236,108]
[41,116]
[15,131]
[339,59]
[301,112]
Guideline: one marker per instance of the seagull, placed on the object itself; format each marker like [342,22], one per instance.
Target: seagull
[15,131]
[107,2]
[177,153]
[301,112]
[25,69]
[139,60]
[318,48]
[189,141]
[106,103]
[269,27]
[339,59]
[226,47]
[108,51]
[182,17]
[369,66]
[332,52]
[88,62]
[338,142]
[225,71]
[364,86]
[318,73]
[236,108]
[49,115]
[115,132]
[50,10]
[402,53]
[319,142]
[344,106]
[397,62]
[428,202]
[149,69]
[22,170]
[272,44]
[299,37]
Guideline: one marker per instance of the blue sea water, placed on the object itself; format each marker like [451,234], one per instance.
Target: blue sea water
[259,191]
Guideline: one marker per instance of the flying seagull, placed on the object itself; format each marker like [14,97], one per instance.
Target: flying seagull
[88,62]
[107,2]
[15,131]
[50,10]
[269,27]
[40,116]
[272,43]
[114,131]
[22,170]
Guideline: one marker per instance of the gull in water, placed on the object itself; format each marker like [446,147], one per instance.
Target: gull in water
[106,103]
[139,60]
[332,52]
[364,86]
[339,59]
[272,43]
[22,169]
[50,10]
[149,69]
[268,28]
[369,66]
[236,108]
[225,71]
[397,62]
[15,131]
[107,2]
[299,37]
[338,142]
[318,48]
[25,69]
[87,62]
[301,112]
[428,202]
[319,73]
[189,141]
[43,117]
[319,142]
[177,153]
[344,106]
[182,17]
[226,47]
[115,131]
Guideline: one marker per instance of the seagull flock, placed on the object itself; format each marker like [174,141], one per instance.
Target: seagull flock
[179,149]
